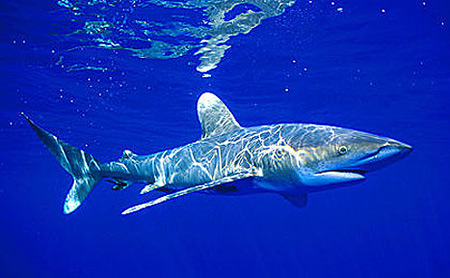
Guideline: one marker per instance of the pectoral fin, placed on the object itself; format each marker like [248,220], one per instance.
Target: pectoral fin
[190,190]
[299,199]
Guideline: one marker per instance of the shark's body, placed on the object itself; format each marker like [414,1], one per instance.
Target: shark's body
[289,159]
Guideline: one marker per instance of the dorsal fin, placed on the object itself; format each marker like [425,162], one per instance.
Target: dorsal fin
[214,116]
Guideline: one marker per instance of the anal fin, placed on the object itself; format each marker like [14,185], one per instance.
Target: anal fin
[118,184]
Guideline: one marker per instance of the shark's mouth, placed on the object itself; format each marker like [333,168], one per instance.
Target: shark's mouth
[355,171]
[344,174]
[336,176]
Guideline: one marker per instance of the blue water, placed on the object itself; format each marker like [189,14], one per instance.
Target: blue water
[376,66]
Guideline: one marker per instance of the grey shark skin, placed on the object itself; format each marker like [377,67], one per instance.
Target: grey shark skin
[289,159]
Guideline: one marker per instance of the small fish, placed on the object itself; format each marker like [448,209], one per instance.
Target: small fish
[288,159]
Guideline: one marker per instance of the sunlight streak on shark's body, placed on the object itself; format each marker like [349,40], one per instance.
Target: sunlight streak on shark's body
[289,159]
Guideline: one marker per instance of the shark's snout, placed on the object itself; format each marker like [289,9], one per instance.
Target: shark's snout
[400,148]
[386,153]
[394,150]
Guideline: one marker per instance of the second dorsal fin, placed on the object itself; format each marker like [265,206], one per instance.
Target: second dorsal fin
[127,154]
[214,116]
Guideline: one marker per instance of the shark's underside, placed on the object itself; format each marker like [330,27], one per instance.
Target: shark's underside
[288,159]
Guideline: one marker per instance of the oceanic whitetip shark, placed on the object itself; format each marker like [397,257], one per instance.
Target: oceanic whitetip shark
[288,159]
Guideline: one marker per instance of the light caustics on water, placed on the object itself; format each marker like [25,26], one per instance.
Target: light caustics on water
[157,29]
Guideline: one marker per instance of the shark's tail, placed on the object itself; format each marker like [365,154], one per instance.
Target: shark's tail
[83,167]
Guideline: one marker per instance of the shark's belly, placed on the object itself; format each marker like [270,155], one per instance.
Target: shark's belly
[241,187]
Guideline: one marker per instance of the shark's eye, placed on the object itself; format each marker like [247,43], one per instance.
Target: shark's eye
[342,150]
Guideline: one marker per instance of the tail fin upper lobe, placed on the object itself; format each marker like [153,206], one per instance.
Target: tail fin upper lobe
[83,167]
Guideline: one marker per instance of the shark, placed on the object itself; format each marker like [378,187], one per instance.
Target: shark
[292,160]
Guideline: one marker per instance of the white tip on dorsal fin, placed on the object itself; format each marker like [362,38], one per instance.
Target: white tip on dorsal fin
[214,116]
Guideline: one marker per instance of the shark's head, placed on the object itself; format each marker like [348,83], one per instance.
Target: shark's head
[331,155]
[305,154]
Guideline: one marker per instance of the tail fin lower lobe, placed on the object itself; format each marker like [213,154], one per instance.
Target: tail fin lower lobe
[83,167]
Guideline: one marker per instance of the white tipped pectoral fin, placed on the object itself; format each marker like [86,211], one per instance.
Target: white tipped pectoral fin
[190,190]
[332,177]
[167,197]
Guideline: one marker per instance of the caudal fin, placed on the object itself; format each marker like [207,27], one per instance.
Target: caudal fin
[83,167]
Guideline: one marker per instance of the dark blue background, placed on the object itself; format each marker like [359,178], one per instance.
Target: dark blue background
[386,73]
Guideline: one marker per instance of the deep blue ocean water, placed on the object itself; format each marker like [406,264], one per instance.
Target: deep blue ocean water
[377,66]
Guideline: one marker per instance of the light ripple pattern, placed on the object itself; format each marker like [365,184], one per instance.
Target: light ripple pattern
[157,29]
